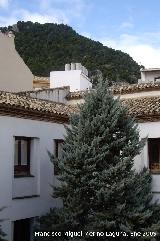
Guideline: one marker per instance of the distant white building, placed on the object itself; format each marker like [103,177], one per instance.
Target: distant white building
[75,76]
[150,75]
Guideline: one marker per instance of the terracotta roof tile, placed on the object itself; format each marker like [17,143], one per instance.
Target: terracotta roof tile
[143,108]
[77,94]
[127,89]
[23,105]
[120,90]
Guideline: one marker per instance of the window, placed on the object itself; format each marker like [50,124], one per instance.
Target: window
[22,230]
[157,79]
[22,156]
[58,153]
[154,154]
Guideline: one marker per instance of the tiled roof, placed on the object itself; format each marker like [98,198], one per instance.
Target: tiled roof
[32,108]
[127,89]
[143,108]
[41,82]
[120,90]
[77,94]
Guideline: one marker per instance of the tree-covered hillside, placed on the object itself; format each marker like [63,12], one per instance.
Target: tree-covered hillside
[48,47]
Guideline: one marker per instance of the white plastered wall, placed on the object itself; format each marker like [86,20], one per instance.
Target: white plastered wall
[40,184]
[149,130]
[73,78]
[149,76]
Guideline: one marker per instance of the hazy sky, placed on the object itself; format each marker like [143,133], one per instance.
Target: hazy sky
[132,26]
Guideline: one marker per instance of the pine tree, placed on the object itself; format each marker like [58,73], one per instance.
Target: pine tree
[100,189]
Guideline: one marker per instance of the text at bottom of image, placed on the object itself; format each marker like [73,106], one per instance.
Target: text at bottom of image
[73,234]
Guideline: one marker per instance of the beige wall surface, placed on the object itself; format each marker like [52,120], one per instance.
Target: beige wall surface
[14,73]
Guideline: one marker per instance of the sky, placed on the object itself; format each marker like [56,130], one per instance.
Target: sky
[132,26]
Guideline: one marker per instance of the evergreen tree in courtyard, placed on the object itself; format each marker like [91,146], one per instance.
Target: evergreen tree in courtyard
[100,189]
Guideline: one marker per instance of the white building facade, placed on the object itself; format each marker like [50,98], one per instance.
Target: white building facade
[31,125]
[29,129]
[150,75]
[150,155]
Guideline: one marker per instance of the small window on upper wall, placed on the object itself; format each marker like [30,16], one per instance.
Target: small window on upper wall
[22,155]
[58,153]
[154,154]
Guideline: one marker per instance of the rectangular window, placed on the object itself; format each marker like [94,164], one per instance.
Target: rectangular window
[22,230]
[58,153]
[22,155]
[154,154]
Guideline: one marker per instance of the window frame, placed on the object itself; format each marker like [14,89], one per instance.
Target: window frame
[21,169]
[154,167]
[56,143]
[22,229]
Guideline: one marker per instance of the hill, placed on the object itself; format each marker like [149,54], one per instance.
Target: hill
[48,47]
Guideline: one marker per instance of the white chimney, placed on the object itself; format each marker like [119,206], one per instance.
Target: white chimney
[78,66]
[73,66]
[83,69]
[67,67]
[87,72]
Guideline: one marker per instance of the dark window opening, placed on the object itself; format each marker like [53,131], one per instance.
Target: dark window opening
[157,79]
[22,156]
[58,154]
[22,230]
[154,154]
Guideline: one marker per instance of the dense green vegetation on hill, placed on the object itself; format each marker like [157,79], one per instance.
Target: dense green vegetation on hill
[47,47]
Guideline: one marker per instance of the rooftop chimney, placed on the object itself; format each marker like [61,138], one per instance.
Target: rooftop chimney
[73,66]
[78,66]
[67,67]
